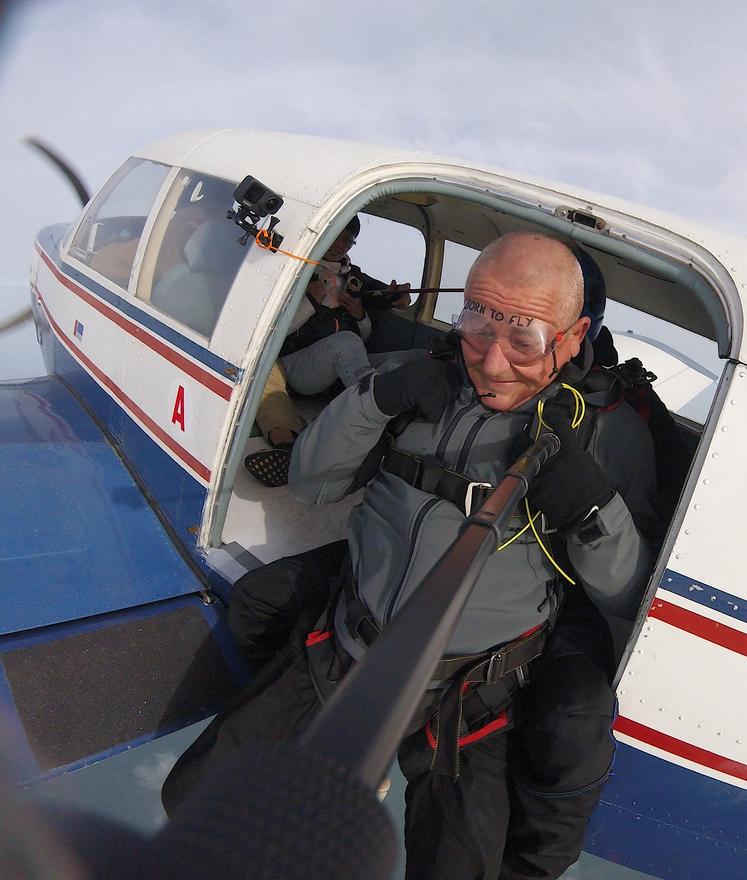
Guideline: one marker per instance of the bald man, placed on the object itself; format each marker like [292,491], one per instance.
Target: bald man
[505,763]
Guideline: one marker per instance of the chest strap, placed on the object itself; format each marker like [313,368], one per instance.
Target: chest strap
[488,667]
[430,474]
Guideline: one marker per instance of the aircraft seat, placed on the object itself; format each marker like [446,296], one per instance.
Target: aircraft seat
[194,291]
[114,260]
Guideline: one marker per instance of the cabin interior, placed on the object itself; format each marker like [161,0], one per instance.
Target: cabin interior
[658,310]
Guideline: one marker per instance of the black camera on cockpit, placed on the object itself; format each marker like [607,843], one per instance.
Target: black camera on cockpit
[255,201]
[256,198]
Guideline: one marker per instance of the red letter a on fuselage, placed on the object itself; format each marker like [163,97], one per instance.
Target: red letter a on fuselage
[177,417]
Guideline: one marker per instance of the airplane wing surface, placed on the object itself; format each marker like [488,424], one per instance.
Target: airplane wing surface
[77,537]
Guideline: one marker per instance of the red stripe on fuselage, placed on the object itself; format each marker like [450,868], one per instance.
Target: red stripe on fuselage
[697,625]
[680,748]
[179,451]
[213,383]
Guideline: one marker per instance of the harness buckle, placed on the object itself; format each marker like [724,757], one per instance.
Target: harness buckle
[468,495]
[496,657]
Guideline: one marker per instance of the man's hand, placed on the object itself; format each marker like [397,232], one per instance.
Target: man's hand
[352,305]
[402,301]
[427,387]
[570,485]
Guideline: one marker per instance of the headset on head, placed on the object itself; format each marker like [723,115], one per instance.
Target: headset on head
[595,291]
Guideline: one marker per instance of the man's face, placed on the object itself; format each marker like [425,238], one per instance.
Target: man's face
[340,246]
[505,315]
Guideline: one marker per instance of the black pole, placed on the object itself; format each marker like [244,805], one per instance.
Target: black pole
[366,718]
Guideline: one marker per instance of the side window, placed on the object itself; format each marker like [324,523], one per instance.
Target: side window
[389,251]
[686,365]
[193,254]
[458,260]
[109,235]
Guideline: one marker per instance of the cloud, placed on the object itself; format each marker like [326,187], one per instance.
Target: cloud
[153,769]
[641,100]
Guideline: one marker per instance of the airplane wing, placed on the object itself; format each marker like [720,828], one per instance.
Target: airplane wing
[105,640]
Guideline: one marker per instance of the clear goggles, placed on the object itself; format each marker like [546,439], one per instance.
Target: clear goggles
[523,340]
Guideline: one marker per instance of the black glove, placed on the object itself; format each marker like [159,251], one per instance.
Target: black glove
[426,387]
[570,483]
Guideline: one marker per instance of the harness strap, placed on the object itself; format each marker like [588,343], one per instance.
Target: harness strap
[488,667]
[503,665]
[357,616]
[431,475]
[491,724]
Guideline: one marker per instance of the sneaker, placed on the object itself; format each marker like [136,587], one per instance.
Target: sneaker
[270,466]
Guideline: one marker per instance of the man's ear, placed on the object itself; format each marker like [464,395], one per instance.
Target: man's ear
[577,332]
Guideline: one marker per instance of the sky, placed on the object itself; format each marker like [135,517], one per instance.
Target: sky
[643,100]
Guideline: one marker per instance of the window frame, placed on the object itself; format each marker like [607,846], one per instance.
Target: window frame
[162,210]
[418,280]
[102,195]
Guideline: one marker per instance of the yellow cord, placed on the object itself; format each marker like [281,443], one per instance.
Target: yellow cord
[544,549]
[518,534]
[578,417]
[580,411]
[578,414]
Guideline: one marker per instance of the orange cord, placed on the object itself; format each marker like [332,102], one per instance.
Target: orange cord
[264,240]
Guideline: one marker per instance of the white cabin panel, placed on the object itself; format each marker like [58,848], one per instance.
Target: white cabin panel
[683,687]
[710,546]
[302,167]
[181,405]
[260,274]
[86,326]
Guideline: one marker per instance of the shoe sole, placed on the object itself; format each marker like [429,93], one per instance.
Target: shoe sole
[269,467]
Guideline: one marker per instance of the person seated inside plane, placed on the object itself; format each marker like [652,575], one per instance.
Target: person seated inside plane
[326,343]
[506,761]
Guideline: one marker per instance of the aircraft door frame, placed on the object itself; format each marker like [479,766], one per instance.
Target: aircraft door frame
[622,233]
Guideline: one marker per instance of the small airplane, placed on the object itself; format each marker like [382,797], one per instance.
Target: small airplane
[131,514]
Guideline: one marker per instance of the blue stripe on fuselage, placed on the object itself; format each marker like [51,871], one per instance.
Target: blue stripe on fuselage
[703,594]
[669,821]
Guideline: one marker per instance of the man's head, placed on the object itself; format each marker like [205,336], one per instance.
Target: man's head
[344,241]
[520,322]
